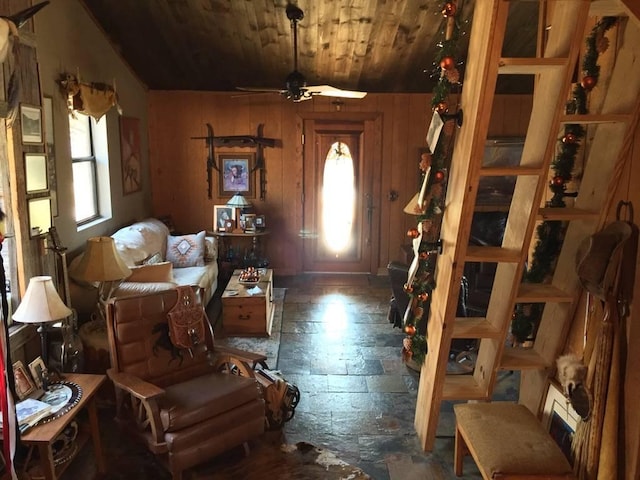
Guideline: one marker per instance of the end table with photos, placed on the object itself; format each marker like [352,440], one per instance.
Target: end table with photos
[239,253]
[56,439]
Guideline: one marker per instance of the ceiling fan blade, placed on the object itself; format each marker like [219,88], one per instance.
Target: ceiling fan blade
[329,91]
[262,90]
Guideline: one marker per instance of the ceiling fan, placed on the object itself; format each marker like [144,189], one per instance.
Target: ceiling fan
[296,84]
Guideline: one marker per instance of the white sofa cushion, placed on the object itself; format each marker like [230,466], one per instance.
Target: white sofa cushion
[141,240]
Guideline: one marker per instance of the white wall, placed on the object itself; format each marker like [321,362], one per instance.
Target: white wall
[68,40]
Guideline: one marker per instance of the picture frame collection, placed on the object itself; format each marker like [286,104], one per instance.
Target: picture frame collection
[224,220]
[39,168]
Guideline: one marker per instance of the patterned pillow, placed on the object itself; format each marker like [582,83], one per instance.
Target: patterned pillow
[186,250]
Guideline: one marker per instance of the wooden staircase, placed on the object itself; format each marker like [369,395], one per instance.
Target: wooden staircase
[609,131]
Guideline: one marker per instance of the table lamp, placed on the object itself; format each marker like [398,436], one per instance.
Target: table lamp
[238,202]
[102,263]
[41,304]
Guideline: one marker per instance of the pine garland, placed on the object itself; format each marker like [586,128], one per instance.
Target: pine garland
[550,234]
[439,162]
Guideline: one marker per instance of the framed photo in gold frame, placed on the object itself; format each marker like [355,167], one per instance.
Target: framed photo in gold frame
[236,173]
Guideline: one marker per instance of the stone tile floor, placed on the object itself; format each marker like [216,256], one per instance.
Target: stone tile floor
[357,397]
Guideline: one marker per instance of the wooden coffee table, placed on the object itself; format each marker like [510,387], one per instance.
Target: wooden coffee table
[43,436]
[246,314]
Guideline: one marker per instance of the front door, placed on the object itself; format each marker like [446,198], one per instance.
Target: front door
[337,198]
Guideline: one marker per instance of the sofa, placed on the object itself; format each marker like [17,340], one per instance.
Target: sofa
[158,261]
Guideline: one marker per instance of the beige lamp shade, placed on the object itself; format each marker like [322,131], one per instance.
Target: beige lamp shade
[41,303]
[238,201]
[101,262]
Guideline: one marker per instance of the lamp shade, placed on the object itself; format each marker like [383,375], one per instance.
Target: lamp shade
[41,303]
[238,201]
[101,262]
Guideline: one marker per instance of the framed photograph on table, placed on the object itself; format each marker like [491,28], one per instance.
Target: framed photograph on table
[31,124]
[25,385]
[37,369]
[261,223]
[249,222]
[236,173]
[222,215]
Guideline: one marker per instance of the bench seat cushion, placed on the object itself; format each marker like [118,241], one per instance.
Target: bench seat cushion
[506,438]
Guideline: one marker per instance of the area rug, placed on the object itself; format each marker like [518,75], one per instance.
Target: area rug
[267,346]
[279,461]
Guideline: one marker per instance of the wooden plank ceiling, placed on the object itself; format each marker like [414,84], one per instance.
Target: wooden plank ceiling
[368,45]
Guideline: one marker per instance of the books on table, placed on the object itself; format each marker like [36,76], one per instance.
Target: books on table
[29,412]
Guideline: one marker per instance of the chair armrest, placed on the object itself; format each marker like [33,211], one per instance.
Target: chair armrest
[147,394]
[134,385]
[248,357]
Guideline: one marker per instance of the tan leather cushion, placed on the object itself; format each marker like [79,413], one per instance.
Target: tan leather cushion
[196,400]
[153,272]
[507,438]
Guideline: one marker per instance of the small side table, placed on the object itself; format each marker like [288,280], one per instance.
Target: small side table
[43,436]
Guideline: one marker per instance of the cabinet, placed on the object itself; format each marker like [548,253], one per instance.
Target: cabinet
[241,249]
[610,126]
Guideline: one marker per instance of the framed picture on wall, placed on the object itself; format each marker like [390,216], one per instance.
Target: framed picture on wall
[560,419]
[236,173]
[50,149]
[131,158]
[39,216]
[36,173]
[31,124]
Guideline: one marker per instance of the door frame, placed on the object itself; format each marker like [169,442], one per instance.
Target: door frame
[371,152]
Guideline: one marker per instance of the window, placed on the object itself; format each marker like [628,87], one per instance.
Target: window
[338,197]
[90,168]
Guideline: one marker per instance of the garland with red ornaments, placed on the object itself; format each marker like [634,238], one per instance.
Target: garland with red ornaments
[436,166]
[550,233]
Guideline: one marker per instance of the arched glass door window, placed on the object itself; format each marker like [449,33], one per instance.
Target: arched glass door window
[338,198]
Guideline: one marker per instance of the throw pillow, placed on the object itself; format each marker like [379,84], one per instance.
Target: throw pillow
[156,272]
[151,259]
[186,250]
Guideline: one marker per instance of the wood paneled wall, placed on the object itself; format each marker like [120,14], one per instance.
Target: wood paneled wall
[178,163]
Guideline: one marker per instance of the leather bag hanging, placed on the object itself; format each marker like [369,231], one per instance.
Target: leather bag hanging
[186,321]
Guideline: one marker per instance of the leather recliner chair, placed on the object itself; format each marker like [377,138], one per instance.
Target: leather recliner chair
[184,409]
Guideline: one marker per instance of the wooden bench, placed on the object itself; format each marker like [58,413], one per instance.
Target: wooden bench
[507,442]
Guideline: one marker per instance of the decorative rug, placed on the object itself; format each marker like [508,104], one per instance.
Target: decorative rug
[279,461]
[267,346]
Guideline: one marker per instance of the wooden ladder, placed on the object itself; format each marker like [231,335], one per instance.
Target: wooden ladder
[615,122]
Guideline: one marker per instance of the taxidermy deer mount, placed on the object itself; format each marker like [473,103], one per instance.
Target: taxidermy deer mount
[93,99]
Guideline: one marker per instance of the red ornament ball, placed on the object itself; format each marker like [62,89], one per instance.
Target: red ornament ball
[569,138]
[407,288]
[442,107]
[449,9]
[447,63]
[558,181]
[588,82]
[423,296]
[439,176]
[410,330]
[423,256]
[413,233]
